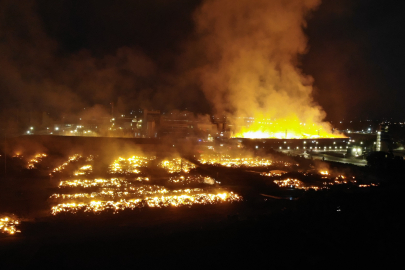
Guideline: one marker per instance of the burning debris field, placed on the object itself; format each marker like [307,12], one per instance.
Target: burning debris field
[154,191]
[94,183]
[132,189]
[201,133]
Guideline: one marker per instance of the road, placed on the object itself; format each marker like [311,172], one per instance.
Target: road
[342,159]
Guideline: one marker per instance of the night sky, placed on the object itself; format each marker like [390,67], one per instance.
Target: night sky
[63,56]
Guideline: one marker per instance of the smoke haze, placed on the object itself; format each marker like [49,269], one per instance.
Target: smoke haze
[252,51]
[60,57]
[37,74]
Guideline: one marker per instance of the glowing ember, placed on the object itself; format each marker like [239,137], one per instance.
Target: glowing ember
[163,201]
[177,165]
[274,173]
[340,179]
[294,183]
[113,182]
[228,161]
[198,179]
[71,159]
[86,169]
[134,192]
[8,225]
[111,193]
[289,183]
[37,159]
[130,165]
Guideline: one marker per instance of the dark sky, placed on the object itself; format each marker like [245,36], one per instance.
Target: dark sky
[357,58]
[60,56]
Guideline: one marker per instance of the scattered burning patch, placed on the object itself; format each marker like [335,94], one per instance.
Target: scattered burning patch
[86,169]
[230,161]
[177,165]
[113,182]
[193,179]
[8,225]
[129,165]
[163,201]
[35,160]
[71,159]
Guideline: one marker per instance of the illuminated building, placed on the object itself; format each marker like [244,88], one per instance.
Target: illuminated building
[295,145]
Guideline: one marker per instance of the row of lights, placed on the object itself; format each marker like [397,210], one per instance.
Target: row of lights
[330,147]
[31,129]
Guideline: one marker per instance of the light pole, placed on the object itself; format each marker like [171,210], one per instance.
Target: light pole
[5,155]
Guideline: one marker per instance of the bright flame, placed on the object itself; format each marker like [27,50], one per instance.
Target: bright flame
[37,159]
[86,169]
[129,165]
[162,201]
[229,161]
[285,129]
[8,225]
[177,165]
[251,69]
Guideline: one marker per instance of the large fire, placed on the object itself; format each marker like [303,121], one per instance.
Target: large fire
[285,129]
[252,68]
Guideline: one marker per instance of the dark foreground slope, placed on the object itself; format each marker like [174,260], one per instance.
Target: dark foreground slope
[331,229]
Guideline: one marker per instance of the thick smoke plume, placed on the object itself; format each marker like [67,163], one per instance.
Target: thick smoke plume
[252,51]
[245,59]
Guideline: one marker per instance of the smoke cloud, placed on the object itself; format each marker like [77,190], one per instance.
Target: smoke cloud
[36,74]
[59,57]
[251,63]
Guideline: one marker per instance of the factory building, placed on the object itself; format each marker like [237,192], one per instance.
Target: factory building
[353,146]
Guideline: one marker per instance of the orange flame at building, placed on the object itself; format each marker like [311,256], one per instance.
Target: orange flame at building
[286,129]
